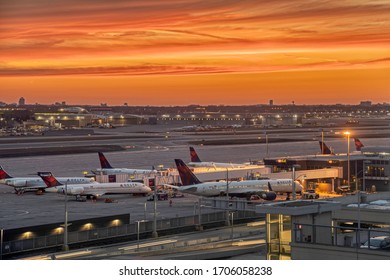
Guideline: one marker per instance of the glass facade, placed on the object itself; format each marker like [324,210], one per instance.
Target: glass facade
[278,237]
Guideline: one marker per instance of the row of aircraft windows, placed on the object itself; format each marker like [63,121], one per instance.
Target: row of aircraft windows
[128,185]
[286,182]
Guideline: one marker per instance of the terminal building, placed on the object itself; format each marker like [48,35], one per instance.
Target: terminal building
[369,169]
[223,119]
[343,228]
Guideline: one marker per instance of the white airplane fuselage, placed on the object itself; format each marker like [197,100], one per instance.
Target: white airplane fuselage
[37,182]
[128,171]
[214,164]
[102,189]
[241,188]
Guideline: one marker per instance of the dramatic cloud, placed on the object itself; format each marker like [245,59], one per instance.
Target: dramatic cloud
[101,38]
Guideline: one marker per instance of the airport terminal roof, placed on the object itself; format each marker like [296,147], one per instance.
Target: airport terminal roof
[298,207]
[381,150]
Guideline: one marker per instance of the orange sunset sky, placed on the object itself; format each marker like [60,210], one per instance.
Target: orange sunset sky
[179,52]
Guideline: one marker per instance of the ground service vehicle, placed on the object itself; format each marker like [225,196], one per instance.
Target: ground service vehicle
[310,194]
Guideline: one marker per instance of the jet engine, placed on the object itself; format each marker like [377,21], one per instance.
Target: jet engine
[76,190]
[17,183]
[268,196]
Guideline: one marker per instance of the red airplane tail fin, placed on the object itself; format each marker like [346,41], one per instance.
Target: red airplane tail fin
[358,144]
[49,179]
[4,174]
[194,155]
[186,175]
[104,162]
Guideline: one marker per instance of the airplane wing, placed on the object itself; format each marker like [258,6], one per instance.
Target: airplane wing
[263,194]
[172,186]
[247,191]
[29,188]
[97,194]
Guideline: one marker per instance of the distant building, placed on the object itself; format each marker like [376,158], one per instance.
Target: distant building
[275,120]
[365,103]
[22,101]
[271,102]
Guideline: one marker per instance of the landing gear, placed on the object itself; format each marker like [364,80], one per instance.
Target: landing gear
[39,192]
[19,191]
[80,198]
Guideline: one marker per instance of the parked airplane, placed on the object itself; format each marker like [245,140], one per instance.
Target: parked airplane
[108,169]
[196,162]
[358,144]
[325,150]
[265,189]
[22,184]
[93,190]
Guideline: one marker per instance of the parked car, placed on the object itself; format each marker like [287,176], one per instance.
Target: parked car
[377,243]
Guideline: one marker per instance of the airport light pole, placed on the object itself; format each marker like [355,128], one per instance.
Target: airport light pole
[364,174]
[200,227]
[266,144]
[1,242]
[227,197]
[232,225]
[294,194]
[154,233]
[65,247]
[145,210]
[138,229]
[349,163]
[359,201]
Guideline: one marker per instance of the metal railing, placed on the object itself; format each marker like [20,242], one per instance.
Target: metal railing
[49,241]
[341,236]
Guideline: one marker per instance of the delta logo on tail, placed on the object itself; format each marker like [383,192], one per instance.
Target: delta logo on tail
[325,149]
[194,155]
[358,145]
[49,179]
[104,162]
[3,174]
[186,176]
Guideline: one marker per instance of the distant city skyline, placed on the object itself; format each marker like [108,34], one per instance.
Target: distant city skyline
[183,52]
[107,104]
